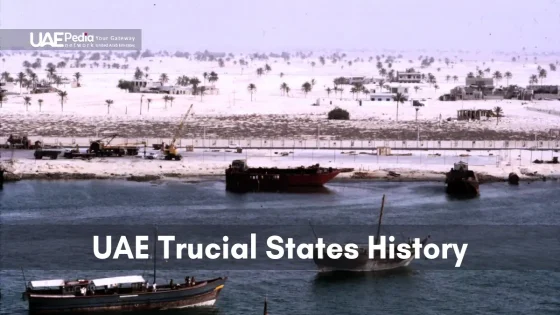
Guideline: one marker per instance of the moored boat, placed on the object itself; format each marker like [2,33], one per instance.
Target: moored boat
[461,181]
[241,178]
[118,294]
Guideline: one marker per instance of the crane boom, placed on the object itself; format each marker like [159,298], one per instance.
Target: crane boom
[180,127]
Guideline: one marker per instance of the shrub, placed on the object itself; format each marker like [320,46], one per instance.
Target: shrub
[339,114]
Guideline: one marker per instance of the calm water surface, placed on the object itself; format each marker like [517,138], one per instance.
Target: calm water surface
[299,292]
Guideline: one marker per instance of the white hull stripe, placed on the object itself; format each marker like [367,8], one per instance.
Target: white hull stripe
[207,303]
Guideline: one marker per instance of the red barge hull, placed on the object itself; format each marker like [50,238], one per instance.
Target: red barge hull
[240,178]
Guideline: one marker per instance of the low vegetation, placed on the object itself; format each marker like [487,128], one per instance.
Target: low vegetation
[339,114]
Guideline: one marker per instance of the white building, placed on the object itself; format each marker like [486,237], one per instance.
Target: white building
[408,77]
[382,97]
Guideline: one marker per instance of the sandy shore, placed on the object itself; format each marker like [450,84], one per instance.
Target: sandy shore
[153,170]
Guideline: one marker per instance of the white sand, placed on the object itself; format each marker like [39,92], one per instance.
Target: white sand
[88,102]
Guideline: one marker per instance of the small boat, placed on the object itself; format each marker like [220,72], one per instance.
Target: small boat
[513,179]
[461,181]
[364,263]
[124,293]
[241,178]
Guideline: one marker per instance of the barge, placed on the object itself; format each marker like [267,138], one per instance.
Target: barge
[241,178]
[461,181]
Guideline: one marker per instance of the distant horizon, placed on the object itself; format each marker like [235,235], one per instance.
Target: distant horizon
[313,25]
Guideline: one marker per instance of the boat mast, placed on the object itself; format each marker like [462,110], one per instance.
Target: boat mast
[155,242]
[313,230]
[380,216]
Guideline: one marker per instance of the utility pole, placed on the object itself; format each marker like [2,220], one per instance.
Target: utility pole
[141,97]
[417,128]
[318,136]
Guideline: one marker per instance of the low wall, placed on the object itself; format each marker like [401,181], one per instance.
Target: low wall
[546,111]
[321,144]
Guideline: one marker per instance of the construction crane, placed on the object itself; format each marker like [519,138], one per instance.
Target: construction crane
[170,152]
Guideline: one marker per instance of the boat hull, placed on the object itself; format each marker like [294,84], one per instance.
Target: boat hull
[462,183]
[204,294]
[361,264]
[276,180]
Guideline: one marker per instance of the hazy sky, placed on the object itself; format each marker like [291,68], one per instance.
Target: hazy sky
[267,25]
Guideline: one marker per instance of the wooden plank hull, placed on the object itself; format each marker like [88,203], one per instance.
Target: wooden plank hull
[204,294]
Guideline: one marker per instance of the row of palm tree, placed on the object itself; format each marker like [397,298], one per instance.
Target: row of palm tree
[261,71]
[30,79]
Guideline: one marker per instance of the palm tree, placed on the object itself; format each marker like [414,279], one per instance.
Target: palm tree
[542,74]
[213,77]
[77,75]
[2,98]
[329,92]
[205,76]
[40,101]
[171,99]
[533,79]
[20,79]
[194,82]
[499,112]
[341,90]
[283,87]
[252,88]
[63,95]
[447,78]
[399,98]
[149,101]
[306,88]
[166,99]
[260,71]
[182,80]
[354,90]
[455,78]
[5,76]
[383,72]
[51,70]
[365,91]
[416,88]
[381,82]
[109,102]
[287,90]
[33,78]
[436,87]
[201,90]
[163,78]
[497,75]
[508,76]
[26,102]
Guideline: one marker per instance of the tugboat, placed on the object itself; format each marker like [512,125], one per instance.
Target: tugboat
[241,178]
[126,293]
[363,263]
[461,181]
